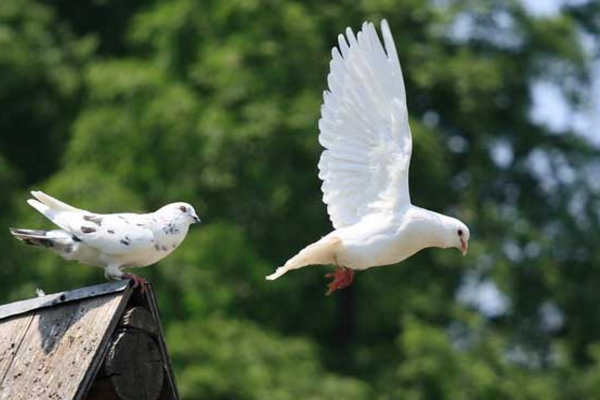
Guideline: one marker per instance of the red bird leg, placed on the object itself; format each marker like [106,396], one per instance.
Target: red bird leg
[136,281]
[342,277]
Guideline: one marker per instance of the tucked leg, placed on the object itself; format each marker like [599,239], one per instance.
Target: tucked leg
[342,277]
[113,273]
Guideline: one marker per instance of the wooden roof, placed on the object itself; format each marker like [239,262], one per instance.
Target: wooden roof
[52,347]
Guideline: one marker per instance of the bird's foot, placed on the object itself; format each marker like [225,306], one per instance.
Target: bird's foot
[342,277]
[136,281]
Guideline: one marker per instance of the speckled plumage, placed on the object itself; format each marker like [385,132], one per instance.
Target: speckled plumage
[110,241]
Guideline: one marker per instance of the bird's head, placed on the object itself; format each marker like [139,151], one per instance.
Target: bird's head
[180,213]
[460,234]
[454,233]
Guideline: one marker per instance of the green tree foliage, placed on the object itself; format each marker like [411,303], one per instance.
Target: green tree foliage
[40,85]
[114,106]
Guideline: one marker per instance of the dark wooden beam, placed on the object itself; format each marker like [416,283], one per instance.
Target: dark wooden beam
[21,307]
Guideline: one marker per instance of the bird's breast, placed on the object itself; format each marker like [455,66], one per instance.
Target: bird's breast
[387,244]
[163,244]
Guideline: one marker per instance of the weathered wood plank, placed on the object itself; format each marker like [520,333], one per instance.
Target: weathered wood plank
[12,332]
[102,390]
[21,307]
[140,318]
[103,349]
[58,349]
[135,357]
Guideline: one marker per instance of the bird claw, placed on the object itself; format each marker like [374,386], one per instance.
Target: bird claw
[136,281]
[342,278]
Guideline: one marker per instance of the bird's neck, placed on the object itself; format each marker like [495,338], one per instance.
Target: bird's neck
[433,228]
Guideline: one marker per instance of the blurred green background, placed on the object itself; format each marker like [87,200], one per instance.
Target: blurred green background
[128,105]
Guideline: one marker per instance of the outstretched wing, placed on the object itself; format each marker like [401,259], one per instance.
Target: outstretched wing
[364,129]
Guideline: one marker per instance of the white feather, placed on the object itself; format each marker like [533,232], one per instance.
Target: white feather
[364,128]
[364,167]
[111,241]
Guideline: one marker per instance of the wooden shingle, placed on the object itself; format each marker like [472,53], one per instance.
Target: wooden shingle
[88,343]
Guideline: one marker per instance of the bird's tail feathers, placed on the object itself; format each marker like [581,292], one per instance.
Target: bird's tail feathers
[51,202]
[33,237]
[18,232]
[278,272]
[42,208]
[60,241]
[321,252]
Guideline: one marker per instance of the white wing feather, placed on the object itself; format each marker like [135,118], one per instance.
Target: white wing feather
[364,129]
[118,234]
[108,234]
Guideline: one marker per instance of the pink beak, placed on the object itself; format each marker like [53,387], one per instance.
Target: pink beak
[464,247]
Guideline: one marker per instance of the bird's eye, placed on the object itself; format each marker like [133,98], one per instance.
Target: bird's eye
[460,232]
[183,208]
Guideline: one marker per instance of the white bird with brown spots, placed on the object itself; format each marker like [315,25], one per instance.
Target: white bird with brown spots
[368,144]
[110,241]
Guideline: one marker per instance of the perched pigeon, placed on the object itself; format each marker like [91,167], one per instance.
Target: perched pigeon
[110,241]
[364,129]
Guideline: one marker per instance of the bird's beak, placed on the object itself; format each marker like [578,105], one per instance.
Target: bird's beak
[464,247]
[196,219]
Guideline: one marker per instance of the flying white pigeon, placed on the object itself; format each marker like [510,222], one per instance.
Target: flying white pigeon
[110,241]
[364,167]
